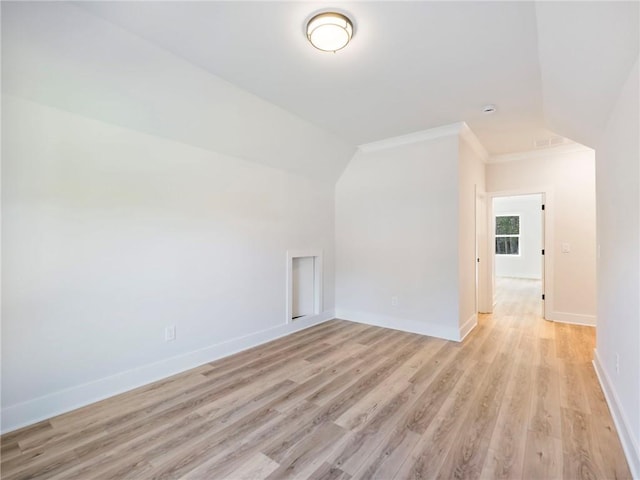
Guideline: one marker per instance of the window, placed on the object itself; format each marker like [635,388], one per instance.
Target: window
[508,235]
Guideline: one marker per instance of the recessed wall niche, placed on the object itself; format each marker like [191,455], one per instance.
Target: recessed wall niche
[304,284]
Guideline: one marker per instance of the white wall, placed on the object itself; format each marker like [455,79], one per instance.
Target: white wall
[406,232]
[58,54]
[141,191]
[567,176]
[396,236]
[618,185]
[110,235]
[528,264]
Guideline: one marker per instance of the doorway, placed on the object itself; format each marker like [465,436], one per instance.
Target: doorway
[518,234]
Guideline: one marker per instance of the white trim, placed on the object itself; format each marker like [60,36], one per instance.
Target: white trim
[542,152]
[421,136]
[467,135]
[458,128]
[402,324]
[482,267]
[42,408]
[630,445]
[317,279]
[548,279]
[468,326]
[572,318]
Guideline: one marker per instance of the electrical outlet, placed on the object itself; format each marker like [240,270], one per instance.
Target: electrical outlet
[170,333]
[394,301]
[617,363]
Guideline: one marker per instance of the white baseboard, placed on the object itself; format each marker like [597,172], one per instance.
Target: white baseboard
[403,324]
[42,408]
[630,444]
[572,318]
[469,325]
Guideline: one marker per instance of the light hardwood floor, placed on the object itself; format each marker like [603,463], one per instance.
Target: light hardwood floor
[517,399]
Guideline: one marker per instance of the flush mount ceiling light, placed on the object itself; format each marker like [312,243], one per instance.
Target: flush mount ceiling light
[329,31]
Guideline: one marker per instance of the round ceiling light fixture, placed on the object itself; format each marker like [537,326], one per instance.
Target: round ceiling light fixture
[329,31]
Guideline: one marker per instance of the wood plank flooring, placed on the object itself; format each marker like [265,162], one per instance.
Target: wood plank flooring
[517,399]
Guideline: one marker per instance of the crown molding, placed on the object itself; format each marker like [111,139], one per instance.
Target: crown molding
[421,136]
[467,135]
[539,153]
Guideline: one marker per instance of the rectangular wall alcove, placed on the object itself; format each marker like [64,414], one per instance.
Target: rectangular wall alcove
[304,284]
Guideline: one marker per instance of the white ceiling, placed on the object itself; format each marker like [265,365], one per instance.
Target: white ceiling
[586,51]
[411,65]
[550,68]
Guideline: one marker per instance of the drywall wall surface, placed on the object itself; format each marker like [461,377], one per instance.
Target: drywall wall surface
[58,54]
[396,238]
[568,178]
[111,235]
[471,185]
[618,185]
[528,263]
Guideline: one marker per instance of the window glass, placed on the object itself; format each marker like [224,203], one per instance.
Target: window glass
[508,235]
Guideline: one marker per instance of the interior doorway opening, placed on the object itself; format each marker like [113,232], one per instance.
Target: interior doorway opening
[517,224]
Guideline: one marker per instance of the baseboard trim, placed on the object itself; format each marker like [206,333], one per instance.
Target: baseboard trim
[572,318]
[630,444]
[468,326]
[42,408]
[402,324]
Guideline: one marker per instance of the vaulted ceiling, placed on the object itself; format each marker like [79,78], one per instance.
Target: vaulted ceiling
[411,65]
[551,68]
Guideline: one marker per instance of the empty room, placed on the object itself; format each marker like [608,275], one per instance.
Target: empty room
[361,240]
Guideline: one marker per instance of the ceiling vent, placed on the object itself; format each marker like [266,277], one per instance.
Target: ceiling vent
[549,142]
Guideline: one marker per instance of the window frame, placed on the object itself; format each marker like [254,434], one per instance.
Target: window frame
[518,235]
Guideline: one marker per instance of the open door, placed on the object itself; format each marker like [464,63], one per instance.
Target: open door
[481,249]
[542,257]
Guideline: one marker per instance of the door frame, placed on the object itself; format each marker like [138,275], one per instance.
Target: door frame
[482,306]
[547,227]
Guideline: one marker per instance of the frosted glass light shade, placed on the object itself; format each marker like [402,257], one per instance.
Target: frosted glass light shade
[329,31]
